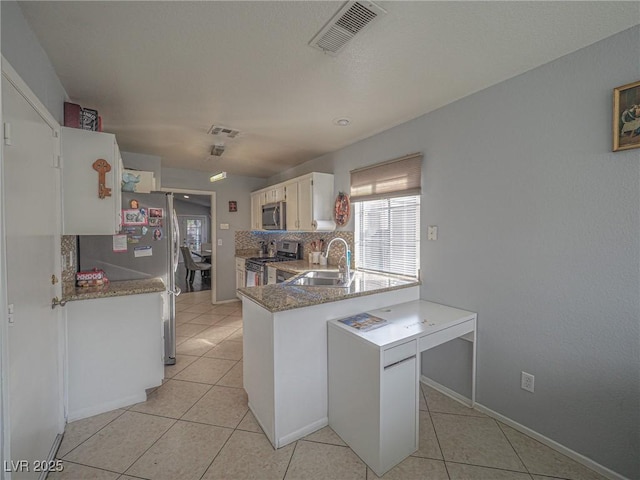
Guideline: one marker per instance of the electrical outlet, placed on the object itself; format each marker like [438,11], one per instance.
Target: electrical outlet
[527,381]
[432,232]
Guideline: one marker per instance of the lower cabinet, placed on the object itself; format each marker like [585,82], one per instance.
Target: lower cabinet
[271,275]
[373,398]
[240,273]
[115,352]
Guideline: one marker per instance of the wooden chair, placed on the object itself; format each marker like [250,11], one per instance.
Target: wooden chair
[192,266]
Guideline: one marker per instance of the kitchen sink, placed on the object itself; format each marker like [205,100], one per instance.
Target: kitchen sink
[317,278]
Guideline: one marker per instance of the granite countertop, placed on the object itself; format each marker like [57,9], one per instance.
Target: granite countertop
[281,297]
[113,289]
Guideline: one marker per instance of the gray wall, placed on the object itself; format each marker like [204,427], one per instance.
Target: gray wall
[538,232]
[146,163]
[232,188]
[21,48]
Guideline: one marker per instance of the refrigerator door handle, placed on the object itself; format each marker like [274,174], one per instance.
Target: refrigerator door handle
[176,239]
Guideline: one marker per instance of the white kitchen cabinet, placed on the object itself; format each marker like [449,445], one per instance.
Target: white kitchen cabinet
[274,194]
[240,273]
[313,201]
[291,199]
[256,210]
[115,352]
[308,198]
[271,275]
[84,212]
[374,375]
[305,204]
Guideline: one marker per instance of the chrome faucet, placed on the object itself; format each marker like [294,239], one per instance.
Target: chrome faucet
[346,256]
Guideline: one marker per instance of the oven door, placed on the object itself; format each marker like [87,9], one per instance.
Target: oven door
[254,275]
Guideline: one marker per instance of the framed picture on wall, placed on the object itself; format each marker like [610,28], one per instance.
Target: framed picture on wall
[233,206]
[626,117]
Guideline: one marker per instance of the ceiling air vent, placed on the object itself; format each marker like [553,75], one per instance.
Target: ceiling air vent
[351,19]
[223,131]
[217,150]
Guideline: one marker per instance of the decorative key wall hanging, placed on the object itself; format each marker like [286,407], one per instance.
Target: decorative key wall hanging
[102,167]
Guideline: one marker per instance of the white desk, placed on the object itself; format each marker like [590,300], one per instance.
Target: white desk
[374,375]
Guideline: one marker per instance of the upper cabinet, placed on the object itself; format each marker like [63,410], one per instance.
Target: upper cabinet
[274,194]
[91,188]
[291,197]
[257,199]
[308,198]
[314,202]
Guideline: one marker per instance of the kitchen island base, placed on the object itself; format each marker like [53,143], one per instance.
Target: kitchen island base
[285,361]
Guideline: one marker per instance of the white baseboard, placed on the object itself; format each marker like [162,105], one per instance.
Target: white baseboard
[587,462]
[233,300]
[446,391]
[303,432]
[105,407]
[52,456]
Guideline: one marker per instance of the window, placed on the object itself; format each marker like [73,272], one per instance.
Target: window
[387,235]
[193,230]
[386,199]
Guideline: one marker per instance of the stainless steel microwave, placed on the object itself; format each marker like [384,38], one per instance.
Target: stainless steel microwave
[274,216]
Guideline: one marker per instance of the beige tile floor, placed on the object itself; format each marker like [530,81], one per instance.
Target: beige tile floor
[197,426]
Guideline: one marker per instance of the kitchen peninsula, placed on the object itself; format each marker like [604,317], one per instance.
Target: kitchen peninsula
[285,347]
[114,344]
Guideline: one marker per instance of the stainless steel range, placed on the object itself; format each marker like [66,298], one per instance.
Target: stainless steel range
[255,267]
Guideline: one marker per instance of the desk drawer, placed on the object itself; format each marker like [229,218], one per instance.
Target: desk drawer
[443,336]
[399,352]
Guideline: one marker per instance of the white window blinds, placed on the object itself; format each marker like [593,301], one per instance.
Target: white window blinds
[386,200]
[394,178]
[387,235]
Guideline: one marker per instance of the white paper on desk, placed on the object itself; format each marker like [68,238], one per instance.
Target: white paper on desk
[142,251]
[119,243]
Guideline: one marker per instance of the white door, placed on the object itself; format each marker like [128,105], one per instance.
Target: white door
[31,184]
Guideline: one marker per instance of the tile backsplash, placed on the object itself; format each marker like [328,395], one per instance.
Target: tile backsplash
[68,249]
[247,240]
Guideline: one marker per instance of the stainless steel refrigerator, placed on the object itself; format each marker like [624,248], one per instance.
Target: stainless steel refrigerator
[152,249]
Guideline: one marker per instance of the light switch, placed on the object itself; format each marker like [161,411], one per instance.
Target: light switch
[224,226]
[219,242]
[432,232]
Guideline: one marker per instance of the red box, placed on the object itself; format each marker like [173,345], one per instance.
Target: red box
[72,115]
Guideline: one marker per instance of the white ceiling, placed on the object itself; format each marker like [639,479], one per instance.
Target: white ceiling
[161,73]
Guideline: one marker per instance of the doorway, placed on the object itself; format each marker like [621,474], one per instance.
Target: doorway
[195,210]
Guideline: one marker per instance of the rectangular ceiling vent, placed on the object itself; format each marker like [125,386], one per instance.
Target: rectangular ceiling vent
[217,150]
[350,20]
[223,131]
